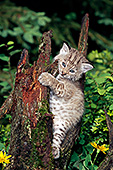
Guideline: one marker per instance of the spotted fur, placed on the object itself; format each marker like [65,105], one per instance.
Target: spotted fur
[66,96]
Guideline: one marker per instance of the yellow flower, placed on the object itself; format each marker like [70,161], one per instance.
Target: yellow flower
[101,148]
[94,145]
[4,158]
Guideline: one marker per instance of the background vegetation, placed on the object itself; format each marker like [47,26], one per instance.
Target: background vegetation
[22,25]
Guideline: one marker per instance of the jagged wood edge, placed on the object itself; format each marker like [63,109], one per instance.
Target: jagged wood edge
[36,70]
[7,105]
[82,44]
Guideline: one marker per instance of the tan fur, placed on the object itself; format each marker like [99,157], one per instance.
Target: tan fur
[66,96]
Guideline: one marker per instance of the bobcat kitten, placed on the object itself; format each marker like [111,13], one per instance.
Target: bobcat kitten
[66,96]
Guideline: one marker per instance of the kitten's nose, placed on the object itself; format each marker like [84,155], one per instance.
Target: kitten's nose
[63,73]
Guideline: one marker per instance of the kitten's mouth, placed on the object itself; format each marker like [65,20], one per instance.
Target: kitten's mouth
[63,74]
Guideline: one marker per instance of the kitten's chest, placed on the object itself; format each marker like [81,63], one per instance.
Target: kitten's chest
[56,104]
[60,105]
[63,106]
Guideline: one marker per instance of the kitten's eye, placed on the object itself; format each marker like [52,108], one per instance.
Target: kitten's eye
[72,71]
[64,65]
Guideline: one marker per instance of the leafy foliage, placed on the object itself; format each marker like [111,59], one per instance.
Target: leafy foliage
[21,23]
[7,73]
[100,83]
[98,98]
[5,133]
[6,85]
[25,27]
[82,159]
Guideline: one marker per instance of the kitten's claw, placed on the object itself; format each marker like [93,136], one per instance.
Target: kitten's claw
[56,152]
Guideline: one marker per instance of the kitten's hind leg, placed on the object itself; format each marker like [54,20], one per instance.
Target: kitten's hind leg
[56,146]
[58,136]
[55,151]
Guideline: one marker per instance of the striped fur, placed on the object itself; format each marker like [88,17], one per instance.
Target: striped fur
[66,96]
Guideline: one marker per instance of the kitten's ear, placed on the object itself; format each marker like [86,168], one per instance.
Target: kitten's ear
[65,49]
[86,67]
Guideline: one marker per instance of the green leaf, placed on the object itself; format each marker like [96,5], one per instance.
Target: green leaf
[4,57]
[2,45]
[14,52]
[89,148]
[10,43]
[12,33]
[28,37]
[101,91]
[82,141]
[5,69]
[100,60]
[77,165]
[111,107]
[74,157]
[41,22]
[81,166]
[24,18]
[8,148]
[4,83]
[109,88]
[5,97]
[90,81]
[40,14]
[10,47]
[87,160]
[2,146]
[110,77]
[4,33]
[84,153]
[93,167]
[71,16]
[106,21]
[100,80]
[18,30]
[69,168]
[105,74]
[93,105]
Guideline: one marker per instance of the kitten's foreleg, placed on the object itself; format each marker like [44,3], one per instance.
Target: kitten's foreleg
[47,79]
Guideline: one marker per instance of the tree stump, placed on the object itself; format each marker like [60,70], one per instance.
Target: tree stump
[31,126]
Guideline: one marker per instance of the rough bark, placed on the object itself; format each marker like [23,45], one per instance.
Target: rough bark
[82,44]
[31,132]
[30,144]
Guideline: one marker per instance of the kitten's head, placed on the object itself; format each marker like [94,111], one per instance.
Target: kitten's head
[71,63]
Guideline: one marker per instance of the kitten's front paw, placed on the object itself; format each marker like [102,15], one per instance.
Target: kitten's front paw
[56,152]
[44,78]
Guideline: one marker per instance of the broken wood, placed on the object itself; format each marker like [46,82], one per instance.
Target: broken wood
[31,132]
[30,144]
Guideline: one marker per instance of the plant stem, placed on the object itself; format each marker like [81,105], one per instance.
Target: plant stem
[95,157]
